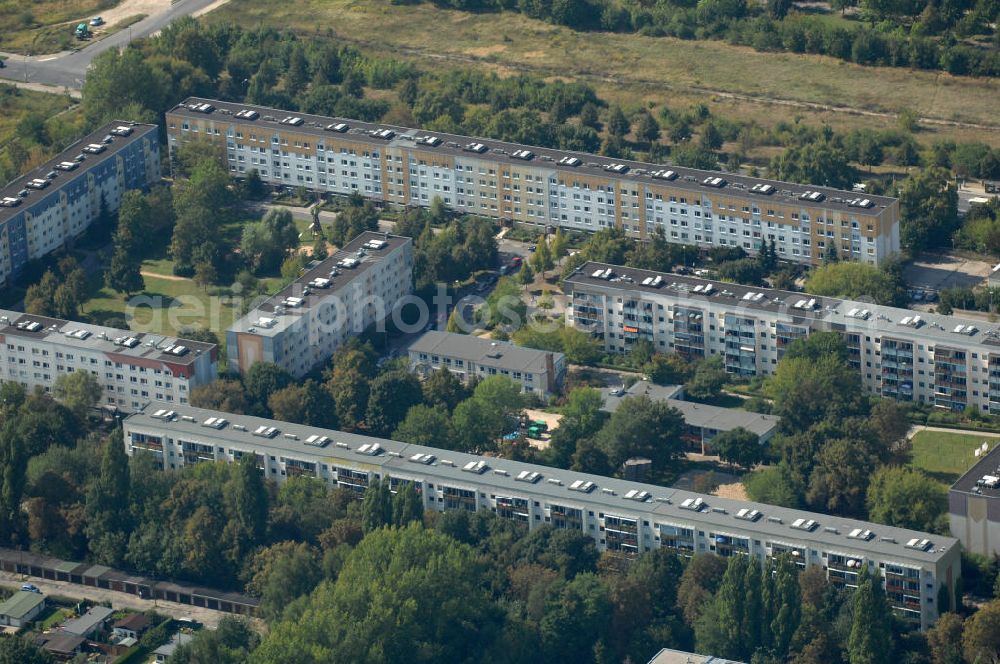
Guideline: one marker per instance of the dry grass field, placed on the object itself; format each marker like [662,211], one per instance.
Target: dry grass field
[638,70]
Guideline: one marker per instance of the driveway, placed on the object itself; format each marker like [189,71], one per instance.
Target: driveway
[118,600]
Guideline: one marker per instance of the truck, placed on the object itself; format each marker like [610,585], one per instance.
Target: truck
[82,31]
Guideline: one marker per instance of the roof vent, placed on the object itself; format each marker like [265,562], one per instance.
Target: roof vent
[693,504]
[477,467]
[370,449]
[316,440]
[528,476]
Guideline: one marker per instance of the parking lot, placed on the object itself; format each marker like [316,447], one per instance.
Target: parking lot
[937,271]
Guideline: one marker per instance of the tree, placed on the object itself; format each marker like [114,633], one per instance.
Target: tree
[231,642]
[928,205]
[307,403]
[407,506]
[647,129]
[666,369]
[808,390]
[739,446]
[444,388]
[698,584]
[577,616]
[641,427]
[526,275]
[906,498]
[855,280]
[945,639]
[12,466]
[870,640]
[426,425]
[392,395]
[124,273]
[247,503]
[542,260]
[376,506]
[821,162]
[222,394]
[281,573]
[981,637]
[261,381]
[618,124]
[404,594]
[118,81]
[708,379]
[266,243]
[22,650]
[79,391]
[108,517]
[588,116]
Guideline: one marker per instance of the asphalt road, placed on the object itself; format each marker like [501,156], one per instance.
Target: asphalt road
[68,70]
[118,600]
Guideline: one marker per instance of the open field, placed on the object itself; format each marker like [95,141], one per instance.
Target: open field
[638,70]
[16,103]
[944,456]
[44,26]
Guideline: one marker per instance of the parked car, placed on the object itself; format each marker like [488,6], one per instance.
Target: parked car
[2,64]
[31,588]
[96,21]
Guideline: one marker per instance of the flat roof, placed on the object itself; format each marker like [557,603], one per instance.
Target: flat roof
[20,604]
[61,643]
[670,656]
[826,311]
[664,504]
[99,338]
[83,625]
[336,272]
[651,390]
[588,165]
[12,188]
[178,639]
[695,414]
[484,352]
[988,466]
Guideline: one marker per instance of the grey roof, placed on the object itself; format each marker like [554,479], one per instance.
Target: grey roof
[670,656]
[61,643]
[86,623]
[102,339]
[696,414]
[651,390]
[831,531]
[988,465]
[484,352]
[591,165]
[827,312]
[20,604]
[329,269]
[89,161]
[179,639]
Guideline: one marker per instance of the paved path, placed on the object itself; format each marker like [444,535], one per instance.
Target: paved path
[68,70]
[118,600]
[165,277]
[917,428]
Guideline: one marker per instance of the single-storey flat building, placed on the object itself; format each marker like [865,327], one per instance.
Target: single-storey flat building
[89,623]
[21,608]
[468,357]
[132,626]
[702,421]
[164,652]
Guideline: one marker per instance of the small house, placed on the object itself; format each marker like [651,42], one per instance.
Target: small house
[21,608]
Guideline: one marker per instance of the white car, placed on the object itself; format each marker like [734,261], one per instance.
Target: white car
[96,21]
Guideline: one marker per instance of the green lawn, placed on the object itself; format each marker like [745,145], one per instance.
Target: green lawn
[54,617]
[945,456]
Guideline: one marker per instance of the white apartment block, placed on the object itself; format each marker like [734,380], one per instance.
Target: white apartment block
[133,368]
[469,357]
[540,186]
[945,361]
[624,517]
[48,207]
[357,287]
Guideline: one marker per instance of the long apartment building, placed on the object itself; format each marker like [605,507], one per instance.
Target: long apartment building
[540,186]
[974,503]
[132,368]
[623,517]
[907,355]
[49,206]
[338,298]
